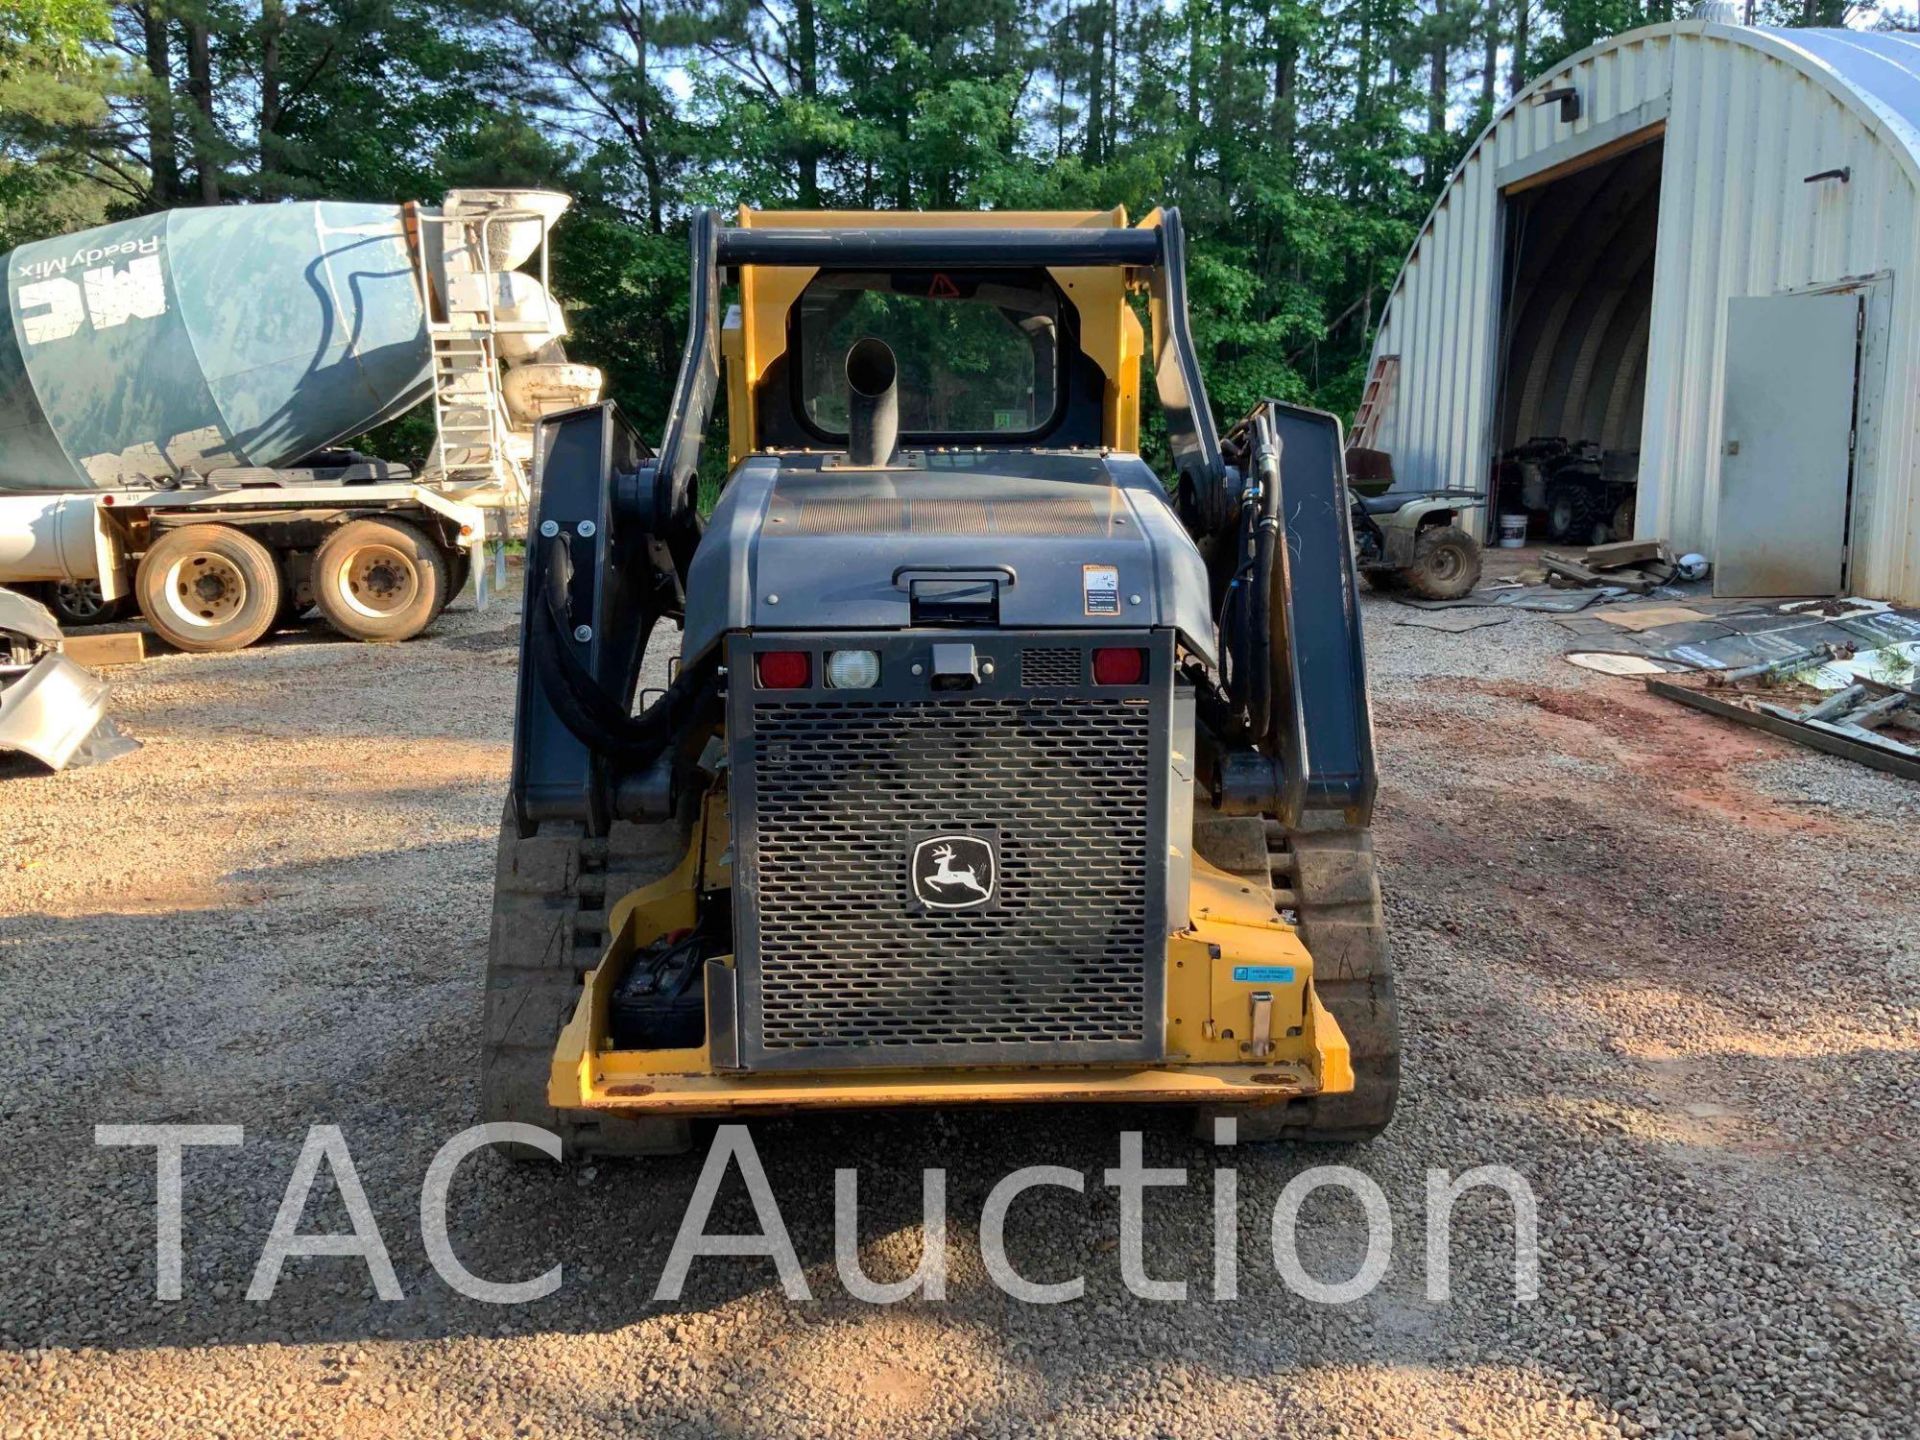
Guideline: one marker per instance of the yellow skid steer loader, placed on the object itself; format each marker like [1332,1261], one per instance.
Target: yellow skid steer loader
[994,766]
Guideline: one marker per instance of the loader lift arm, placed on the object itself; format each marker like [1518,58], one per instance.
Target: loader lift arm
[1314,753]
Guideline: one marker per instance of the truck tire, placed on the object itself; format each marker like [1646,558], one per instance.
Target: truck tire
[379,580]
[459,572]
[208,587]
[1445,564]
[1330,878]
[552,894]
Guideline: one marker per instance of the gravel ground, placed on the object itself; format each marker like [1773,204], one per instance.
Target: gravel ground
[1663,968]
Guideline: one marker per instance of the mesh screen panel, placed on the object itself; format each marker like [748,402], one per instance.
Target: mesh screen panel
[852,970]
[1049,668]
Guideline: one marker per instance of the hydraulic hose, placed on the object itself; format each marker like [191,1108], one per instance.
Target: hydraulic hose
[1246,610]
[600,722]
[1266,535]
[1232,627]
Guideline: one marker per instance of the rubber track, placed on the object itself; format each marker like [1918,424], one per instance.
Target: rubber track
[550,899]
[1330,875]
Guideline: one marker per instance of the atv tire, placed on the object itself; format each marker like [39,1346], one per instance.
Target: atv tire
[552,895]
[1623,517]
[1570,514]
[1445,565]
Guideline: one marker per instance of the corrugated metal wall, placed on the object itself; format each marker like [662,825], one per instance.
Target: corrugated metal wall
[1748,116]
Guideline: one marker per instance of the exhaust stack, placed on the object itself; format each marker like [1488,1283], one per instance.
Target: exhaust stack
[873,403]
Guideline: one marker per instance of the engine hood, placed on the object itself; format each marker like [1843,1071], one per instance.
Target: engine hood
[799,542]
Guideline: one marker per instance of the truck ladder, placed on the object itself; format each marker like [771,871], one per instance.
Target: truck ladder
[472,433]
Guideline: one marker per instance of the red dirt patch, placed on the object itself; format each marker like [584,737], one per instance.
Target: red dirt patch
[1690,760]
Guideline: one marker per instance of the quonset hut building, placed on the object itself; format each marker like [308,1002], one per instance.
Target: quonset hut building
[1687,259]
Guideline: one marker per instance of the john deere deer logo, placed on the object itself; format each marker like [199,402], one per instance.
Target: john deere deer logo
[953,872]
[946,876]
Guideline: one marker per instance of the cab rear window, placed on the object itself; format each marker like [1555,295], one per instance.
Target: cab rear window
[978,353]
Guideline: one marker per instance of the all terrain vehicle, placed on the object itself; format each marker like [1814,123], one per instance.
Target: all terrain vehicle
[993,766]
[1420,539]
[1583,493]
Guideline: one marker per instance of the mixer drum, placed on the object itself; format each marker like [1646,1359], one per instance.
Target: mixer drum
[190,339]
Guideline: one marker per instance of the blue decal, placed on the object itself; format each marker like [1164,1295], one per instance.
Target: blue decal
[1263,974]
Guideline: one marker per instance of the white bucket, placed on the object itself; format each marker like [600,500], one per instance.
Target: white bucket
[1513,531]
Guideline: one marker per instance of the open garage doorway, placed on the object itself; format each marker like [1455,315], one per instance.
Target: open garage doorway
[1577,299]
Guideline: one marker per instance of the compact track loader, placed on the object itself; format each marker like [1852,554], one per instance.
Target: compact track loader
[994,766]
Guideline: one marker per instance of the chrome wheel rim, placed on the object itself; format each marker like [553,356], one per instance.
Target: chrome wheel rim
[81,598]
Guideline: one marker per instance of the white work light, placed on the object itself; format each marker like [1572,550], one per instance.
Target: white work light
[853,669]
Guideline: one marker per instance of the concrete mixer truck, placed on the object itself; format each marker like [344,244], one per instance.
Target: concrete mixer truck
[175,391]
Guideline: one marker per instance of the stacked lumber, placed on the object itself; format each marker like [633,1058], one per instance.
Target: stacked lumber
[1638,566]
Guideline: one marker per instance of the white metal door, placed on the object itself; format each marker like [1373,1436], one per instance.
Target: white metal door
[1786,445]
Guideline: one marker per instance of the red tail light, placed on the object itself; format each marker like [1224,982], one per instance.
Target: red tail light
[785,669]
[1119,667]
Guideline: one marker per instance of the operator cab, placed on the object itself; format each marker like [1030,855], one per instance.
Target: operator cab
[983,358]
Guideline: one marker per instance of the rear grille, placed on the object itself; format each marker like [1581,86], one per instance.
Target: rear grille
[841,966]
[1051,669]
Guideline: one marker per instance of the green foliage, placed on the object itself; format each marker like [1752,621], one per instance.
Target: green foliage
[56,31]
[50,84]
[1893,667]
[1303,143]
[964,367]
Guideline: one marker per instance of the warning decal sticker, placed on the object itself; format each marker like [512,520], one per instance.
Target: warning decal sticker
[1263,974]
[1100,584]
